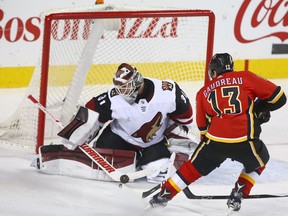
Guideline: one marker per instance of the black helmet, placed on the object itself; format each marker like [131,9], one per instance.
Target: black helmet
[221,63]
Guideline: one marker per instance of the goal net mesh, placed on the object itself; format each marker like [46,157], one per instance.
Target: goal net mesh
[82,48]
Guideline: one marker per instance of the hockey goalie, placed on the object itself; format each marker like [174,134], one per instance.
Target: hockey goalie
[137,124]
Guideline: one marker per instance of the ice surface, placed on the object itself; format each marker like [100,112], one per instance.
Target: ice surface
[26,192]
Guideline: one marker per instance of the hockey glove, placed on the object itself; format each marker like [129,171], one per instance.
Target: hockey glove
[82,129]
[261,111]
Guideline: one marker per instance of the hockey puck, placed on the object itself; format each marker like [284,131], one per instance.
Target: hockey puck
[124,179]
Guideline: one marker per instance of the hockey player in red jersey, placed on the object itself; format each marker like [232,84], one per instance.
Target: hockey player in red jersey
[229,111]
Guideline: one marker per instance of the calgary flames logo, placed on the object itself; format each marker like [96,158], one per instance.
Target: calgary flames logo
[148,130]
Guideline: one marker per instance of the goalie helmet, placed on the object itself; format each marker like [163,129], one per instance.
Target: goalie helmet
[221,63]
[127,82]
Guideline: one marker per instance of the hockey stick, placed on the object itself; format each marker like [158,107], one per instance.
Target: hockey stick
[97,158]
[151,191]
[190,195]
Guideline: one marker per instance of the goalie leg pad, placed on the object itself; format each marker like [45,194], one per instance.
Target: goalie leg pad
[164,169]
[58,160]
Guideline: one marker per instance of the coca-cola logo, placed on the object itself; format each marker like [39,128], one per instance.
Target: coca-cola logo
[272,14]
[16,29]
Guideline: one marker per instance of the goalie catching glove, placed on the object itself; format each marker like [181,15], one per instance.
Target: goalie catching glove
[83,128]
[261,111]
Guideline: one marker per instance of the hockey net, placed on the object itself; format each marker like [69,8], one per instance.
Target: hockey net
[82,47]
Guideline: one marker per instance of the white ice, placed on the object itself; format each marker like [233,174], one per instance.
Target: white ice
[26,192]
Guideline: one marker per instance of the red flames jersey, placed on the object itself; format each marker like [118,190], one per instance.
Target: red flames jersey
[224,106]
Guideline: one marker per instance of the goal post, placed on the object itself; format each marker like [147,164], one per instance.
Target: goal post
[82,48]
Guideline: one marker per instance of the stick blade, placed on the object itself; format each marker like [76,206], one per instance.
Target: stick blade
[152,190]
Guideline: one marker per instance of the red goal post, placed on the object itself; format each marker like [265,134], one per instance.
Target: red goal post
[82,48]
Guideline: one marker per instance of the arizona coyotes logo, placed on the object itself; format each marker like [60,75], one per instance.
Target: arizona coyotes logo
[167,86]
[149,129]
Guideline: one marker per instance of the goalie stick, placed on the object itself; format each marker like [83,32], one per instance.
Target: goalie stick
[190,195]
[97,158]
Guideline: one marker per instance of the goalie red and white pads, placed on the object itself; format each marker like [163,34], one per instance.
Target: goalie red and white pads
[164,169]
[180,141]
[58,160]
[82,129]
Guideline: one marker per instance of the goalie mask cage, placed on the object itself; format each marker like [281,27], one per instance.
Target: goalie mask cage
[82,48]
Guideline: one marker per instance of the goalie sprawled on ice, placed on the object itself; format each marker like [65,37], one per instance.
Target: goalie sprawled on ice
[147,121]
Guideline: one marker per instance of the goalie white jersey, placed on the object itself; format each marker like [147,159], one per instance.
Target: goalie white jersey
[144,122]
[139,125]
